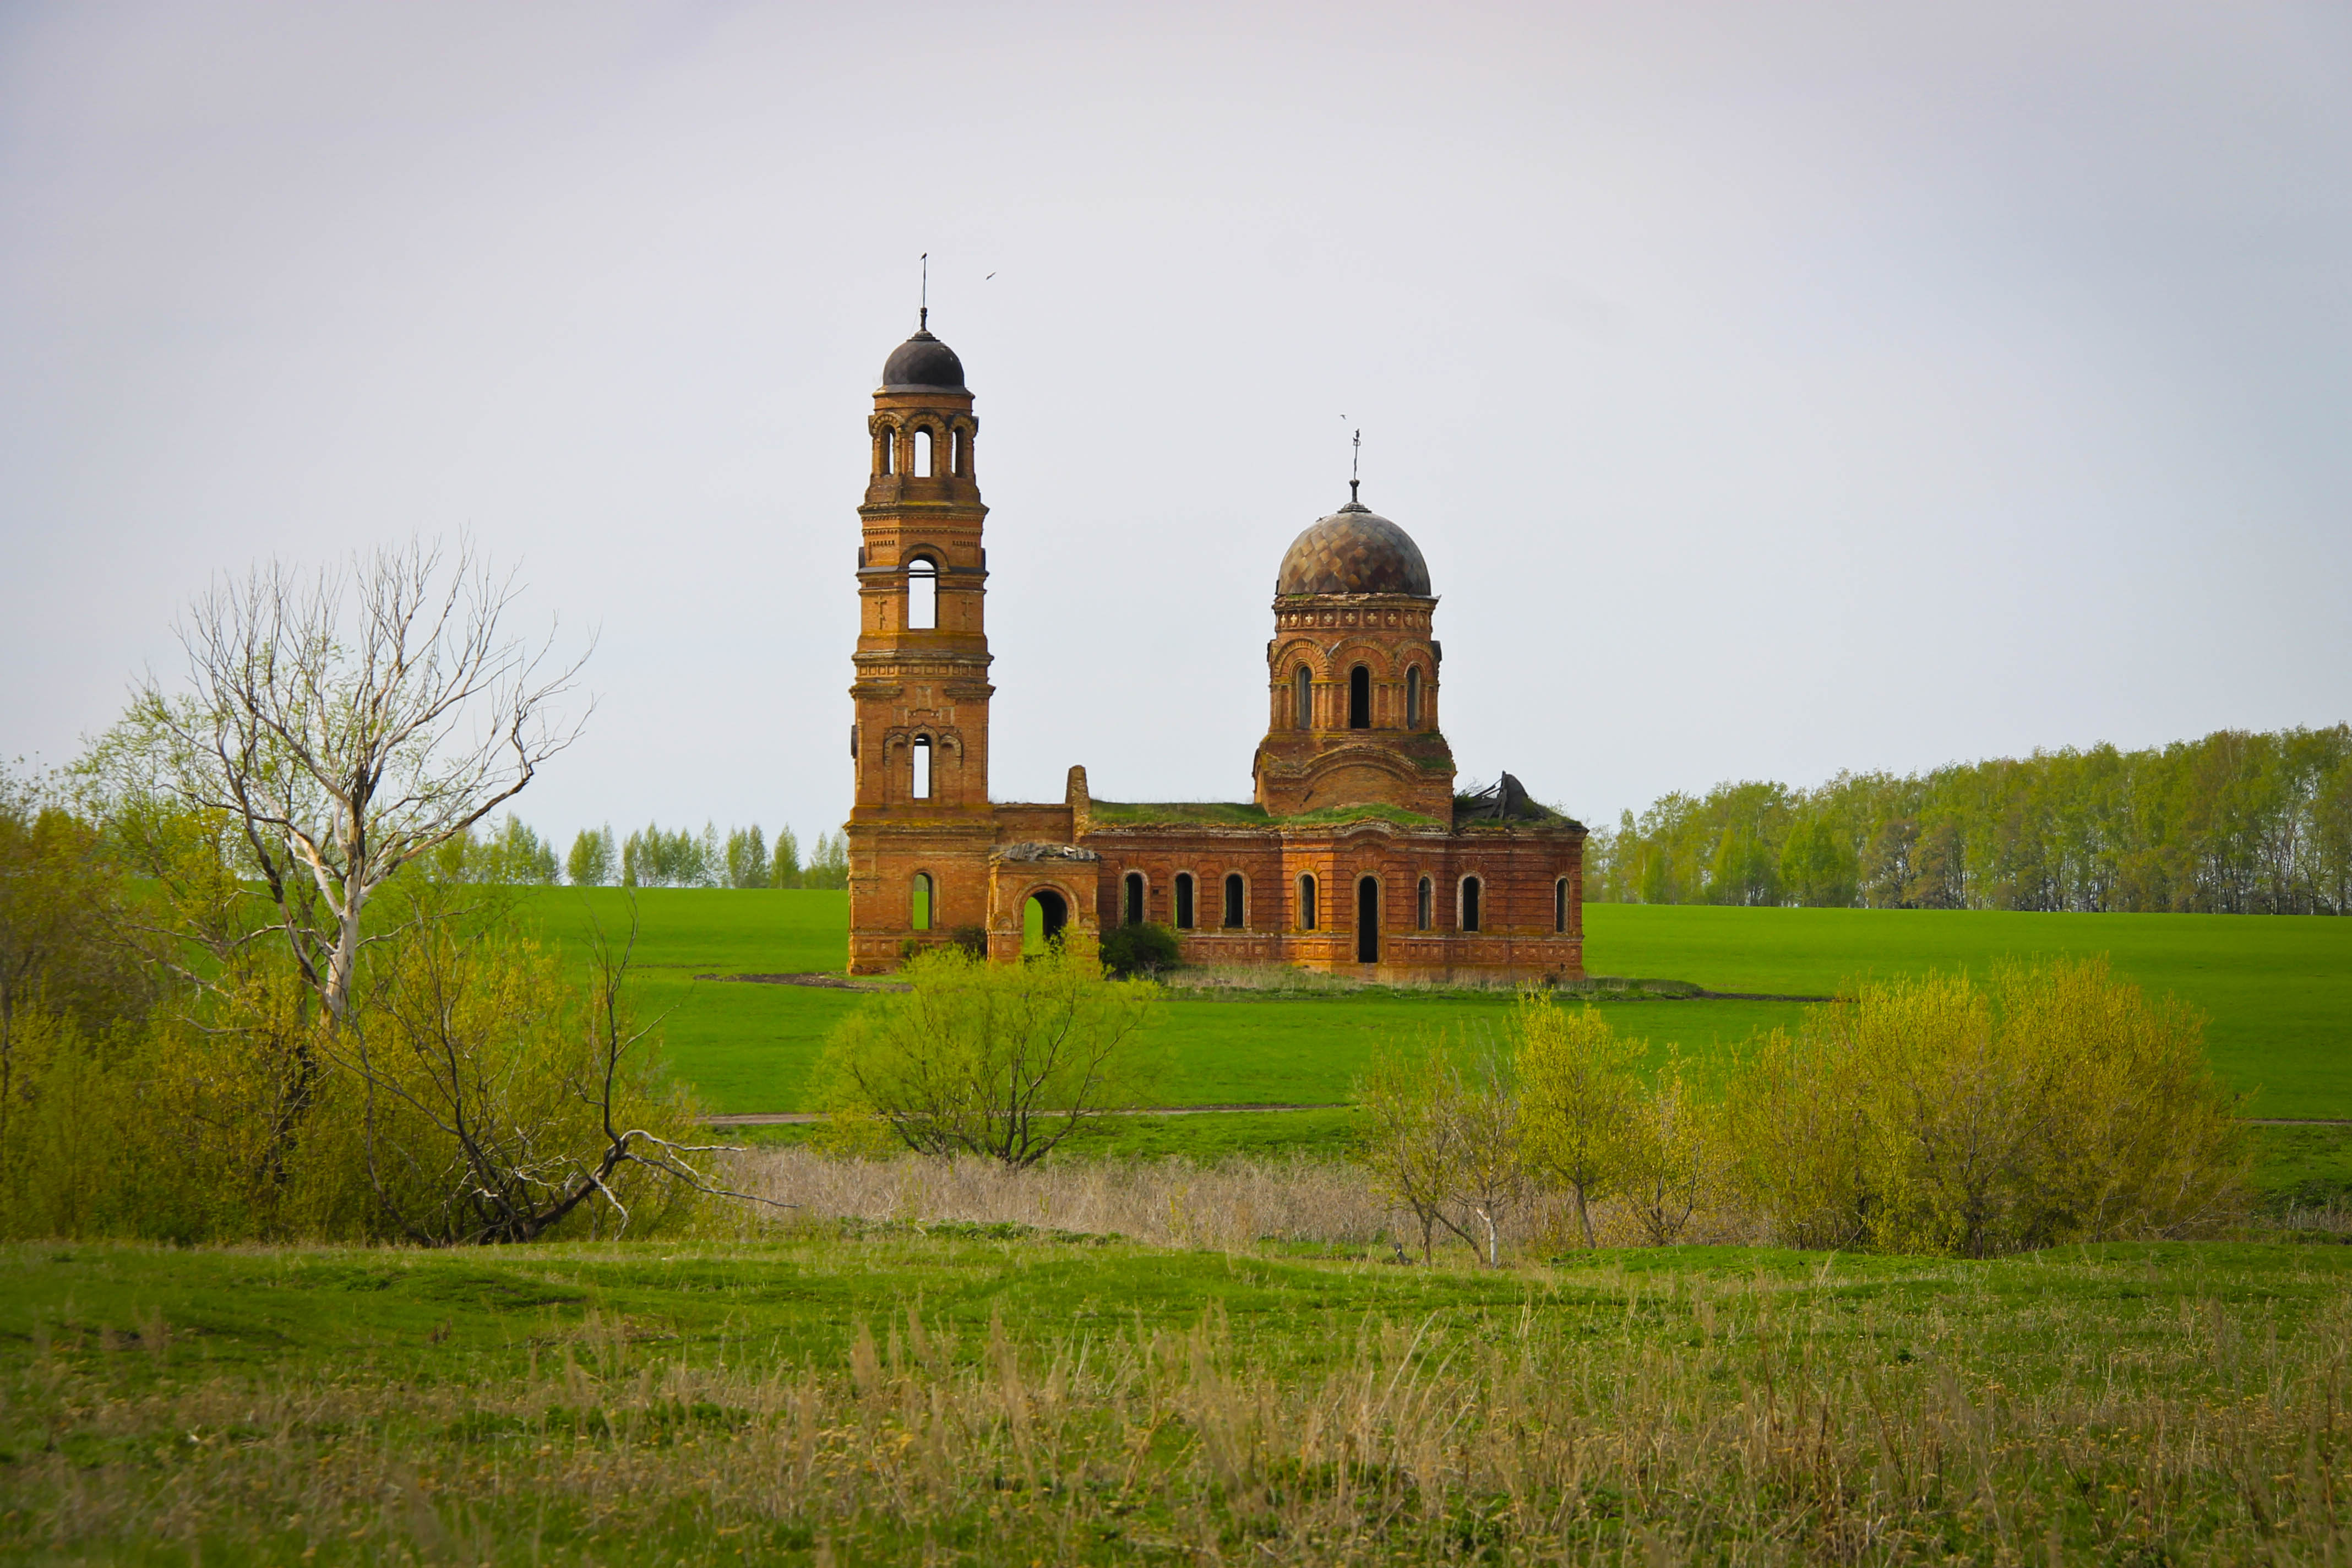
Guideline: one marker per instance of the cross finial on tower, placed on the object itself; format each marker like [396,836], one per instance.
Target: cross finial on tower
[1356,469]
[923,317]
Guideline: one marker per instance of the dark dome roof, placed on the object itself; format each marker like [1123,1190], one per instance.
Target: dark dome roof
[923,361]
[1354,550]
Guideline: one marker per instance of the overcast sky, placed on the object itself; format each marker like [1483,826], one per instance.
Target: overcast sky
[1773,388]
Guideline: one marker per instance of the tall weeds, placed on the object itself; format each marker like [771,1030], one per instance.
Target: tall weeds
[1608,1419]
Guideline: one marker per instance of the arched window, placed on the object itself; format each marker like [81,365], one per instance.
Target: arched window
[922,593]
[1134,912]
[1306,903]
[1560,905]
[1413,698]
[922,454]
[959,453]
[921,787]
[922,903]
[1183,900]
[1368,919]
[1236,901]
[1421,910]
[1360,699]
[1470,890]
[1302,698]
[885,452]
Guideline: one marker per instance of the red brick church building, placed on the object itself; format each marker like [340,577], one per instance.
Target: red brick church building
[1354,855]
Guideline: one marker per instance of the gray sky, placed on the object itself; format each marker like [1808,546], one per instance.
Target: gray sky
[1772,389]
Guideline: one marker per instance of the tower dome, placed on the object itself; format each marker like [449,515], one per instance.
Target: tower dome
[1353,550]
[922,360]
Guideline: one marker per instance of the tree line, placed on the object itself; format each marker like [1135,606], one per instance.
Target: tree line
[650,857]
[2236,823]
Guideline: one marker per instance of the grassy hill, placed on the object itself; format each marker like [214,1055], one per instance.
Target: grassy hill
[2279,989]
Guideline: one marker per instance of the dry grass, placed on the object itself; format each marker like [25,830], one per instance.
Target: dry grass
[1232,1205]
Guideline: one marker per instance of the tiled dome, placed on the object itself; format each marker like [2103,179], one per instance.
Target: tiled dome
[923,361]
[1353,550]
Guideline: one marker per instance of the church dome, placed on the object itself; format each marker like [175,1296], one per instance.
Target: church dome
[1354,550]
[923,361]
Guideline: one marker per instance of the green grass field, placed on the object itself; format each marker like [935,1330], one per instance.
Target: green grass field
[990,1395]
[2279,990]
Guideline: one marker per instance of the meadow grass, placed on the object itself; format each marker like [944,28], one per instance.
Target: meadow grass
[2279,990]
[990,1395]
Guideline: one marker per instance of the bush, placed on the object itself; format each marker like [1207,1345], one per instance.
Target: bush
[1002,1060]
[1132,950]
[1936,1115]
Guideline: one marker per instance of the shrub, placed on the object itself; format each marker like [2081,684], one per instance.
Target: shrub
[1132,950]
[1937,1115]
[1003,1060]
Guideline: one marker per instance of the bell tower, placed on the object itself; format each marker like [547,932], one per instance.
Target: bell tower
[918,745]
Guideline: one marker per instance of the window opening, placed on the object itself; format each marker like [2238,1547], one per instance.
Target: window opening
[922,454]
[922,911]
[1236,913]
[1368,920]
[1560,905]
[1135,898]
[1306,903]
[885,453]
[1183,900]
[1421,902]
[959,454]
[922,595]
[1302,698]
[1360,699]
[1470,890]
[923,755]
[1413,698]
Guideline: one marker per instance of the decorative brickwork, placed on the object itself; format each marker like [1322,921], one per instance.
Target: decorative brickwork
[1351,858]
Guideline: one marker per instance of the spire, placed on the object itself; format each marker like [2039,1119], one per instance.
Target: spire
[923,316]
[1355,470]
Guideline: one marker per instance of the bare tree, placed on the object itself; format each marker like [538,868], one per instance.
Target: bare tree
[347,723]
[492,1107]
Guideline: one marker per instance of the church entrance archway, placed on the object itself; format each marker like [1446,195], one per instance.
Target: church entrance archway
[1368,920]
[1043,917]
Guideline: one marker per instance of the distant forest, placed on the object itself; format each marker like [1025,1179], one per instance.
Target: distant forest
[2234,824]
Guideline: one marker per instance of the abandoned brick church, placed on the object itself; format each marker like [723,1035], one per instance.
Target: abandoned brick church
[1355,857]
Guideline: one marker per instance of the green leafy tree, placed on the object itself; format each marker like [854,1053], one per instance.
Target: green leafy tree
[747,857]
[593,861]
[1817,867]
[828,862]
[1002,1060]
[1578,1083]
[786,871]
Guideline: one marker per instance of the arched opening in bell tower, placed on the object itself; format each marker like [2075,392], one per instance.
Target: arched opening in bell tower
[1302,698]
[918,786]
[922,454]
[922,595]
[1413,698]
[1360,699]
